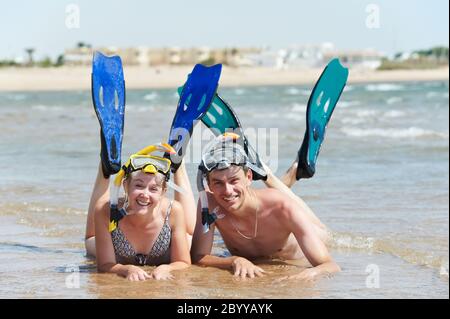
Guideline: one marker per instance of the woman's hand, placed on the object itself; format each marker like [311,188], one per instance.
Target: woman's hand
[162,273]
[135,273]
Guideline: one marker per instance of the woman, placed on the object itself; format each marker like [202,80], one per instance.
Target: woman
[145,228]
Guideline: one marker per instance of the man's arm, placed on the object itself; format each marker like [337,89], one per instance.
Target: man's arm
[201,253]
[202,244]
[312,246]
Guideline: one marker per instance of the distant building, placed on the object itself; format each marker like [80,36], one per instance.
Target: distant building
[145,56]
[292,57]
[367,59]
[296,56]
[309,55]
[78,56]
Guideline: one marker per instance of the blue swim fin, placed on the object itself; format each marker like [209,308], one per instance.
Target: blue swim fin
[321,104]
[108,96]
[196,97]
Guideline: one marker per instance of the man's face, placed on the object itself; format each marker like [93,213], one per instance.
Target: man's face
[230,186]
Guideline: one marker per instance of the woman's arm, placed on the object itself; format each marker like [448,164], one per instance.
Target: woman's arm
[186,199]
[106,259]
[179,250]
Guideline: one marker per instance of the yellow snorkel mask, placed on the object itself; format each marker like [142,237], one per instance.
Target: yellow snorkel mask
[142,160]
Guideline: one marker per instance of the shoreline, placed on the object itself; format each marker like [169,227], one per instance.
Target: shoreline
[79,78]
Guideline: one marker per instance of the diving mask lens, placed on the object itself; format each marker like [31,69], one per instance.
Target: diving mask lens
[139,162]
[222,158]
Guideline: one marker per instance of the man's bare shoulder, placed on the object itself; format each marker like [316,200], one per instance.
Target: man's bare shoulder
[275,199]
[272,196]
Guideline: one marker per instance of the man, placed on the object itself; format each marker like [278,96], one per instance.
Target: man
[254,223]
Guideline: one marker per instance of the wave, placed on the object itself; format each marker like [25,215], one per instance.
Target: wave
[345,104]
[366,113]
[393,100]
[434,94]
[394,113]
[295,91]
[384,87]
[352,120]
[16,97]
[389,246]
[140,108]
[349,88]
[393,133]
[151,96]
[36,208]
[295,117]
[239,91]
[292,91]
[46,108]
[296,107]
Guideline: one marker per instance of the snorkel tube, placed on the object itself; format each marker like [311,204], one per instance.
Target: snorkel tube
[222,142]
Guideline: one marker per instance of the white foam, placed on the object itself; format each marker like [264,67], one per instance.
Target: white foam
[293,116]
[345,104]
[348,88]
[353,242]
[352,120]
[394,113]
[266,115]
[411,132]
[434,94]
[140,108]
[366,113]
[379,245]
[296,107]
[393,100]
[384,87]
[443,271]
[151,96]
[292,91]
[16,97]
[46,108]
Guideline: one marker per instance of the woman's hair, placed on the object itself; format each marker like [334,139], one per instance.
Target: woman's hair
[160,179]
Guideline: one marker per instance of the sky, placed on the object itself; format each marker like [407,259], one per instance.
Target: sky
[394,25]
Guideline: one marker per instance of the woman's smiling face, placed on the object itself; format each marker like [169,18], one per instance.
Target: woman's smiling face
[144,191]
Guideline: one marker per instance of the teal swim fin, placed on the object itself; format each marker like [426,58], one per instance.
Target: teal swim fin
[108,96]
[321,104]
[221,118]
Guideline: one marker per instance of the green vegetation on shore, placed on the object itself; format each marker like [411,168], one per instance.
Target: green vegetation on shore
[418,60]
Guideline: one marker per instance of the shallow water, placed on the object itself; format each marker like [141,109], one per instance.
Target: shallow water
[381,185]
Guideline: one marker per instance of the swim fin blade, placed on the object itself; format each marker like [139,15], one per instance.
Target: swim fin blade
[195,99]
[221,118]
[321,104]
[108,96]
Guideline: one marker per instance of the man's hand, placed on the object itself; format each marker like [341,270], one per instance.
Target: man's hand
[243,268]
[307,275]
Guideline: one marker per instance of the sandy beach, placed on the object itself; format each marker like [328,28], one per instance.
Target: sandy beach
[78,78]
